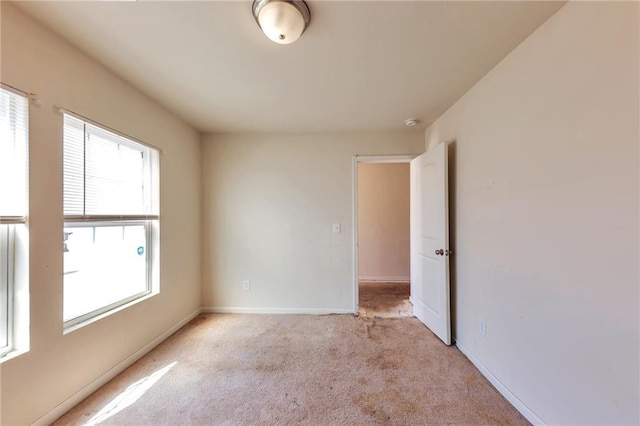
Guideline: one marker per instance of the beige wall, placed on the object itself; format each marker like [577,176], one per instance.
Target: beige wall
[269,202]
[545,214]
[383,222]
[58,365]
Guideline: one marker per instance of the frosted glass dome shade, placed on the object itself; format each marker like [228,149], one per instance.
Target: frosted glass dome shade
[281,21]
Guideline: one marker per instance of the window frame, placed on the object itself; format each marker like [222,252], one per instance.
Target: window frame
[150,222]
[7,244]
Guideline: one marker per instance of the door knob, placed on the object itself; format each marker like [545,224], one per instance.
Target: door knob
[440,252]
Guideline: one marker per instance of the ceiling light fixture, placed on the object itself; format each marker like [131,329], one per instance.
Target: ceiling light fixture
[283,21]
[410,122]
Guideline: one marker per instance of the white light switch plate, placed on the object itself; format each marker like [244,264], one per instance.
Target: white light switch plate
[336,228]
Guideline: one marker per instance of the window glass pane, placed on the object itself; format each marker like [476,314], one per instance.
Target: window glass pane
[13,153]
[106,174]
[103,264]
[114,177]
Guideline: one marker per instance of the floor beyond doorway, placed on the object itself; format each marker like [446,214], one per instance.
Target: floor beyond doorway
[237,369]
[384,299]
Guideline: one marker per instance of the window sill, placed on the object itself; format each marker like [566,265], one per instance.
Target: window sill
[91,320]
[13,354]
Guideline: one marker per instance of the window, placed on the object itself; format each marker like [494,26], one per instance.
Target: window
[14,136]
[111,191]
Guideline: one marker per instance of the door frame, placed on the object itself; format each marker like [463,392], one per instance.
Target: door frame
[357,159]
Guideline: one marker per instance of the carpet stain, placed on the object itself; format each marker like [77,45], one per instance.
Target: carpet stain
[378,330]
[384,300]
[369,404]
[333,351]
[385,361]
[391,380]
[269,368]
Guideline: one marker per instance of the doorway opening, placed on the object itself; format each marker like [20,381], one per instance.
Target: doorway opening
[382,236]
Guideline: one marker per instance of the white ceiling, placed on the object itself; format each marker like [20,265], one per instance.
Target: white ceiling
[361,65]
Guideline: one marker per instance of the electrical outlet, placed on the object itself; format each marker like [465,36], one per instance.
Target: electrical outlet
[246,285]
[483,328]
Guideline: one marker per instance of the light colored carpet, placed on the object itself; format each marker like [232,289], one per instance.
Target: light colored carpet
[384,300]
[298,369]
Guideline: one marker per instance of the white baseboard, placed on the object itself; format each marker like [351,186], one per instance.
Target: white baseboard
[83,393]
[307,311]
[388,279]
[514,400]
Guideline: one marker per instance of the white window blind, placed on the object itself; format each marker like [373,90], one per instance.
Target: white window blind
[14,137]
[107,175]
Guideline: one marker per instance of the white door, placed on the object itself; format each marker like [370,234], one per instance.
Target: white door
[430,241]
